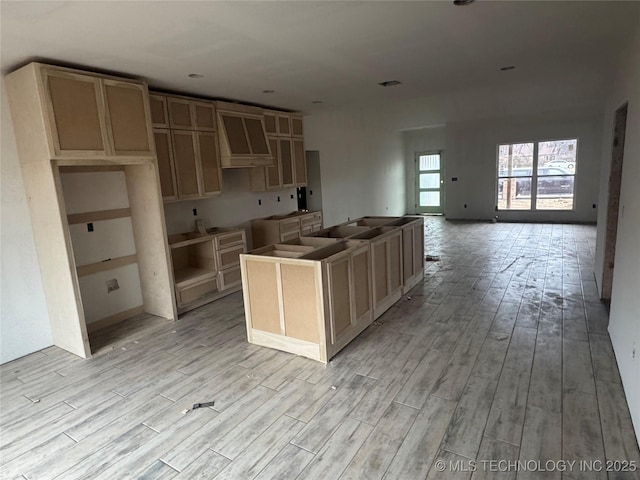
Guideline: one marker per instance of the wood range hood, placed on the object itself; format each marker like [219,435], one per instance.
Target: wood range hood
[242,135]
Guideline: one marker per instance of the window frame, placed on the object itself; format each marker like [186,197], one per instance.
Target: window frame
[534,175]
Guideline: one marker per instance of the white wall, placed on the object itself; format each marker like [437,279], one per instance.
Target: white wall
[235,207]
[624,317]
[471,157]
[24,320]
[361,163]
[421,140]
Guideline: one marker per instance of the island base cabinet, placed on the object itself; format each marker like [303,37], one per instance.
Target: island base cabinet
[310,307]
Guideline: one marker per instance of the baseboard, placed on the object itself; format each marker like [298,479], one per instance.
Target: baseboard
[113,319]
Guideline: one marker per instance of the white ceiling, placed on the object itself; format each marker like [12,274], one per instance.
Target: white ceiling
[336,52]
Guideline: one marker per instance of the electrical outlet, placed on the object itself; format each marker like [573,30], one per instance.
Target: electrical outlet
[89,227]
[112,285]
[195,212]
[292,196]
[259,202]
[278,197]
[465,205]
[593,206]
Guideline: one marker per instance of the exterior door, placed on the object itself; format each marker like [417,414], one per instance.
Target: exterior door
[429,184]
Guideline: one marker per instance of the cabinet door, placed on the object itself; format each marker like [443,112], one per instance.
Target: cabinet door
[166,167]
[270,123]
[284,125]
[209,156]
[380,271]
[127,118]
[395,262]
[159,112]
[273,173]
[180,113]
[185,158]
[76,113]
[204,114]
[300,162]
[418,242]
[296,126]
[361,264]
[286,159]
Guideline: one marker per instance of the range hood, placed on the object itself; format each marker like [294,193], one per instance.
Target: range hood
[243,138]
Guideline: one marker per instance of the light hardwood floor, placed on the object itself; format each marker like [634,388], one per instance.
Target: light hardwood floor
[502,353]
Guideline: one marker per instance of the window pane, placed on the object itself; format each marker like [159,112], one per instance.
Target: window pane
[429,199]
[514,193]
[430,162]
[557,155]
[555,193]
[429,180]
[515,160]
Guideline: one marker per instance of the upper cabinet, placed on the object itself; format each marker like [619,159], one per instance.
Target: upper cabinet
[243,138]
[93,116]
[187,147]
[296,125]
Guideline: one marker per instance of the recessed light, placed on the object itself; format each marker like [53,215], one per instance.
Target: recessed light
[268,91]
[390,83]
[317,102]
[195,75]
[459,3]
[509,67]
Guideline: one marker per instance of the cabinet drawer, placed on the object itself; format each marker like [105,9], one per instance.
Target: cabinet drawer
[230,239]
[194,292]
[290,225]
[230,278]
[229,257]
[289,235]
[304,231]
[307,220]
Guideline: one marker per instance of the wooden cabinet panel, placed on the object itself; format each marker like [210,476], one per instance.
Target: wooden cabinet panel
[166,167]
[209,157]
[407,254]
[234,128]
[300,162]
[194,292]
[286,157]
[380,287]
[184,154]
[263,296]
[76,112]
[339,282]
[361,277]
[395,263]
[205,116]
[257,139]
[159,112]
[270,123]
[230,278]
[230,257]
[128,121]
[284,125]
[230,239]
[296,126]
[180,113]
[299,302]
[273,173]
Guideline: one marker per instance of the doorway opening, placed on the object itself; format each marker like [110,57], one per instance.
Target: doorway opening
[613,205]
[429,183]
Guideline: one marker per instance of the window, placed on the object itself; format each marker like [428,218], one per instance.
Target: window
[537,176]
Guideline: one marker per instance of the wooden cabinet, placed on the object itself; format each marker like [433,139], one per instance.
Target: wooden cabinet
[270,122]
[299,162]
[286,159]
[189,114]
[166,166]
[188,152]
[159,112]
[206,266]
[243,139]
[268,178]
[296,125]
[304,299]
[93,116]
[281,228]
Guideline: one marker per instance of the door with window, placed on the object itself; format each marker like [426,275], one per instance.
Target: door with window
[429,184]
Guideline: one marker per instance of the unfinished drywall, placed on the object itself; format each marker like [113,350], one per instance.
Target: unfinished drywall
[471,158]
[624,317]
[235,207]
[101,241]
[431,139]
[361,163]
[24,320]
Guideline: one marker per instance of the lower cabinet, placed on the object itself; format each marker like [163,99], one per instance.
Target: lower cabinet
[304,299]
[202,270]
[282,228]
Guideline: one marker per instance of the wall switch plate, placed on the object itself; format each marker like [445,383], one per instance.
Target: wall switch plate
[292,196]
[112,285]
[259,202]
[195,212]
[454,179]
[90,227]
[278,197]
